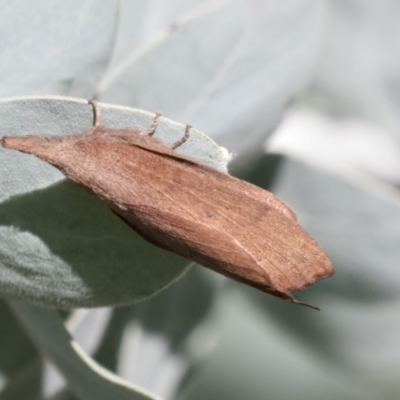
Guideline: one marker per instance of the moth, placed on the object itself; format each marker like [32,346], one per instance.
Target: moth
[176,203]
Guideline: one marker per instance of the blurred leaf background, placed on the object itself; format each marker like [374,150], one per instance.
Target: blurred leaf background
[306,94]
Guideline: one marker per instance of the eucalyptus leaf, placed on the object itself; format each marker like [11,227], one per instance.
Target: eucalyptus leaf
[228,67]
[155,343]
[19,360]
[61,246]
[357,71]
[167,336]
[57,47]
[86,379]
[256,359]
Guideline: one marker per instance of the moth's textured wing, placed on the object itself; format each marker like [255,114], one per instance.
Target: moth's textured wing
[249,234]
[251,190]
[203,244]
[260,223]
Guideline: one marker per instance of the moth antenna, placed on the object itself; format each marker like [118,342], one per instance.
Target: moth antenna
[183,139]
[302,303]
[153,127]
[96,112]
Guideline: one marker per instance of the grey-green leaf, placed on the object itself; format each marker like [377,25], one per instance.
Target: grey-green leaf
[57,47]
[226,66]
[61,246]
[20,364]
[87,379]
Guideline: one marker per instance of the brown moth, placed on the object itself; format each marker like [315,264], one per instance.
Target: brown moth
[181,205]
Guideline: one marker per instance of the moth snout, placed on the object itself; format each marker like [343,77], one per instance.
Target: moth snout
[37,145]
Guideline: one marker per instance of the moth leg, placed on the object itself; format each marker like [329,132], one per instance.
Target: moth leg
[183,139]
[96,112]
[153,127]
[96,117]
